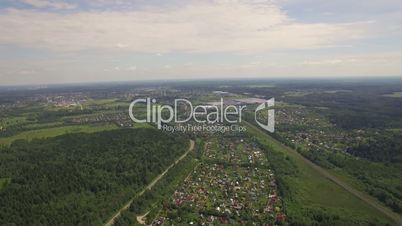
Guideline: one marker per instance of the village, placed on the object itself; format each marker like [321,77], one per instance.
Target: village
[304,128]
[119,118]
[233,184]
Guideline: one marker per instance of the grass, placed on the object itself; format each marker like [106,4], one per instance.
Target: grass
[397,130]
[394,94]
[143,125]
[100,101]
[281,104]
[4,182]
[56,131]
[10,121]
[313,189]
[42,125]
[297,93]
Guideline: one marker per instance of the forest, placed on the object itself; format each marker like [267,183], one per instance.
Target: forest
[80,179]
[384,147]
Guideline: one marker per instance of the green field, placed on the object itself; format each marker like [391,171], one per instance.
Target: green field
[395,94]
[310,189]
[143,125]
[56,131]
[395,130]
[100,101]
[32,126]
[297,93]
[10,121]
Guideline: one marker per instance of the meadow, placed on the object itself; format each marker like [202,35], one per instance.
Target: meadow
[56,131]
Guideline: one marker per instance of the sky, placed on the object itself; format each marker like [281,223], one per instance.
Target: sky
[56,41]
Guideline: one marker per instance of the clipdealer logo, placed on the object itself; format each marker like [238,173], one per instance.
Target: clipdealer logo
[270,126]
[183,111]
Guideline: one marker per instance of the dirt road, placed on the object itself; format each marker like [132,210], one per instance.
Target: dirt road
[149,186]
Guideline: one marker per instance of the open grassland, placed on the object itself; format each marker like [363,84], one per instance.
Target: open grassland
[56,131]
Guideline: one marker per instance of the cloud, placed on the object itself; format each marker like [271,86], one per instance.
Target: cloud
[210,26]
[122,69]
[368,60]
[323,62]
[54,4]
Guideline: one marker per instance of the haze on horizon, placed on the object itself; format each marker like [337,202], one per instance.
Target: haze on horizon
[55,41]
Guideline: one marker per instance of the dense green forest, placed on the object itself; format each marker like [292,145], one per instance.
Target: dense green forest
[152,201]
[382,147]
[80,179]
[362,107]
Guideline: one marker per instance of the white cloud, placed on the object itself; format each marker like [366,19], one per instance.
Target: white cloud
[323,62]
[121,69]
[217,26]
[132,68]
[55,4]
[384,64]
[74,67]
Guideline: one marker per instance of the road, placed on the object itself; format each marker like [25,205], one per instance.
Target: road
[361,195]
[149,186]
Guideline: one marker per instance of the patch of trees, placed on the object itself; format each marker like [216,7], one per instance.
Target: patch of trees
[323,216]
[81,179]
[152,201]
[48,116]
[362,108]
[383,147]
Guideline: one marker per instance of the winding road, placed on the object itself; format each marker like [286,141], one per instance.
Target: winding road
[149,186]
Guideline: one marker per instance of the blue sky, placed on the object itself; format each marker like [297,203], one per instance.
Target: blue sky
[55,41]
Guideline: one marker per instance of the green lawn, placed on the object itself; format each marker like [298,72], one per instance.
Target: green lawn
[56,131]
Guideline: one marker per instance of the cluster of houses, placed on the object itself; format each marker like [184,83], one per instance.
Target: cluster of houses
[120,119]
[66,101]
[233,184]
[300,126]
